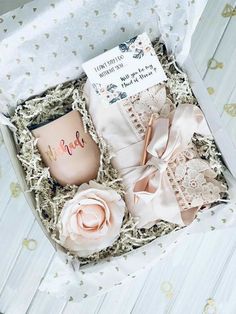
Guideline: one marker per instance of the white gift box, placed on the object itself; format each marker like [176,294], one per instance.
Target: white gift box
[44,45]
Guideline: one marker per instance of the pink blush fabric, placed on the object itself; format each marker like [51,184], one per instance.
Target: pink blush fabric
[150,191]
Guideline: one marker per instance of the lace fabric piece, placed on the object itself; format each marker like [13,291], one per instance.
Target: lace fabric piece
[193,180]
[191,177]
[138,108]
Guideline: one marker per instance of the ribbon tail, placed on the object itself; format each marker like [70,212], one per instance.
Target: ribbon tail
[162,205]
[145,188]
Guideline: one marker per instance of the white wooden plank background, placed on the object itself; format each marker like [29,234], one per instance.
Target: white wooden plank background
[198,277]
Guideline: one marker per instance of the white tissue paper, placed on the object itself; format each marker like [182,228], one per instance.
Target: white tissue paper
[44,43]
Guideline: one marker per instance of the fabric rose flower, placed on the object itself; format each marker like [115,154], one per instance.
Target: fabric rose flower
[91,221]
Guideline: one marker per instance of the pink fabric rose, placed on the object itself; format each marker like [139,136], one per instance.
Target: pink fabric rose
[91,221]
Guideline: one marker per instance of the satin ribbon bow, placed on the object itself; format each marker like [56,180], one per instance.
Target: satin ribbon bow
[170,136]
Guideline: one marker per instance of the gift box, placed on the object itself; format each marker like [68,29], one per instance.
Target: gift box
[44,45]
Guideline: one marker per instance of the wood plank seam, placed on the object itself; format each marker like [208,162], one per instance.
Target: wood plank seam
[224,268]
[172,302]
[16,259]
[225,29]
[43,275]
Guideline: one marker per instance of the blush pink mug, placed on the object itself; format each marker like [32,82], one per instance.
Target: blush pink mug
[71,154]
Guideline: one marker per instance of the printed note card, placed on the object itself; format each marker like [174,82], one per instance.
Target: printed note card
[125,70]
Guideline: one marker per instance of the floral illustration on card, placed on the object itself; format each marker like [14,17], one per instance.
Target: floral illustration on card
[109,92]
[139,46]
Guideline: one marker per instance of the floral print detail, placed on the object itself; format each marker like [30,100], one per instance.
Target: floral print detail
[193,183]
[193,180]
[180,171]
[139,47]
[211,192]
[125,46]
[139,107]
[109,92]
[197,164]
